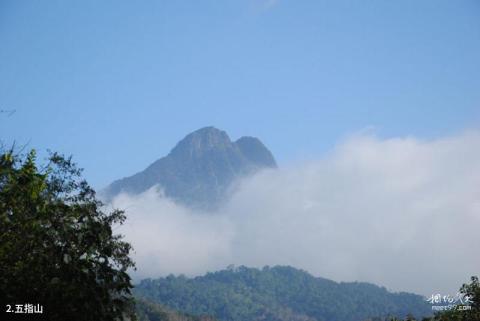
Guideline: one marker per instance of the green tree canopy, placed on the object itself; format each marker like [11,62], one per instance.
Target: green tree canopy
[57,247]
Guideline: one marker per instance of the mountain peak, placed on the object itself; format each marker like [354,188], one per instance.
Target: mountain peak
[200,141]
[199,169]
[256,151]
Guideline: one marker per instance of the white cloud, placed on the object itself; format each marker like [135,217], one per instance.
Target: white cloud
[402,213]
[169,238]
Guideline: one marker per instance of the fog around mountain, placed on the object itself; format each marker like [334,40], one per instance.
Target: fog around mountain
[398,212]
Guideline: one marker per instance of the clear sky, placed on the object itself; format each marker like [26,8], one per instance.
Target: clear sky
[118,83]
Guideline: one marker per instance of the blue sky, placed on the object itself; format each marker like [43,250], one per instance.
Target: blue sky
[118,83]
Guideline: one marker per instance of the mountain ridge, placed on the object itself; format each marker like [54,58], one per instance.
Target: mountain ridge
[198,171]
[279,293]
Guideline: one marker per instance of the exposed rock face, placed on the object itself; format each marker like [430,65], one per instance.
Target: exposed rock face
[199,169]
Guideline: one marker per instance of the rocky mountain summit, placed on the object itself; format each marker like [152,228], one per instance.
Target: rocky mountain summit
[199,169]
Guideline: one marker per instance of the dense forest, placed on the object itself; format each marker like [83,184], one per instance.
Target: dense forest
[150,311]
[278,293]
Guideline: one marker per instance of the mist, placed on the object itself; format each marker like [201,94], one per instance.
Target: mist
[403,213]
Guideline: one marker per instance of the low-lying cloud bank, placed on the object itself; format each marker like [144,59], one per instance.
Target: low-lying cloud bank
[402,212]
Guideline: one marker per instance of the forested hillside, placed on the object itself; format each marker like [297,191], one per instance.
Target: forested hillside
[276,294]
[150,311]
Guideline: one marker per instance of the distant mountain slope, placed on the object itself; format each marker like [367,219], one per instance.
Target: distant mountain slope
[198,171]
[150,311]
[278,294]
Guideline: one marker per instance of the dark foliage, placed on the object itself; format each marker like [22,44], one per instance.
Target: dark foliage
[57,247]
